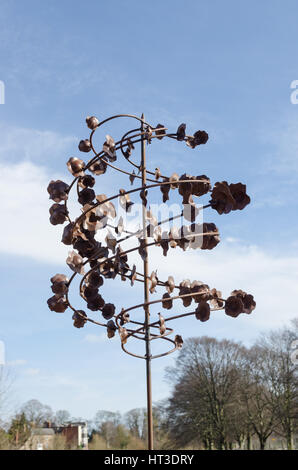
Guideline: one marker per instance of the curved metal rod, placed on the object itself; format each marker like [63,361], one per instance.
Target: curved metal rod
[154,336]
[152,137]
[191,294]
[135,307]
[121,115]
[175,317]
[133,333]
[159,283]
[110,119]
[172,136]
[167,182]
[131,191]
[102,153]
[110,259]
[115,228]
[130,251]
[119,145]
[152,357]
[98,157]
[153,325]
[158,224]
[142,327]
[161,222]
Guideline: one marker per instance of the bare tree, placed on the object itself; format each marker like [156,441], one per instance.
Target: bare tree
[62,417]
[37,413]
[5,390]
[134,419]
[106,423]
[205,385]
[295,327]
[158,426]
[281,376]
[261,407]
[239,430]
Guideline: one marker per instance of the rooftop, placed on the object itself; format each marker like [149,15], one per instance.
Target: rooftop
[43,432]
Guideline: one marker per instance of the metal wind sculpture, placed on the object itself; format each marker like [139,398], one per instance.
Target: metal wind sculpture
[108,260]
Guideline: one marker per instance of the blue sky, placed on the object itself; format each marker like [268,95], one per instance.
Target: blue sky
[225,67]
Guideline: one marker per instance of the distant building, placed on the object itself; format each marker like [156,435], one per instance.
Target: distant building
[40,439]
[76,436]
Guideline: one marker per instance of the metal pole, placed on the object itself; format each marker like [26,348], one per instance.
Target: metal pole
[146,300]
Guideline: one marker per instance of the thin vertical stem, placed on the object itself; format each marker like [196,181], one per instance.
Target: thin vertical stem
[146,300]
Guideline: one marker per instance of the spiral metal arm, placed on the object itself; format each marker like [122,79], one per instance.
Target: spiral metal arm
[129,327]
[133,136]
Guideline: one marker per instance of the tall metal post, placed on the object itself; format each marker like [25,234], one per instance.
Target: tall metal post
[146,300]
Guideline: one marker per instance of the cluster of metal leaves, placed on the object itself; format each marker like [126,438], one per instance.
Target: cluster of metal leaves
[98,211]
[206,298]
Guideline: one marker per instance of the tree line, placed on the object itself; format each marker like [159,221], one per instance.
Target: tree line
[223,396]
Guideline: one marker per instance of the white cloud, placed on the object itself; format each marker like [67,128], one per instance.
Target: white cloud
[94,339]
[17,362]
[271,278]
[32,372]
[232,240]
[24,200]
[23,144]
[24,207]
